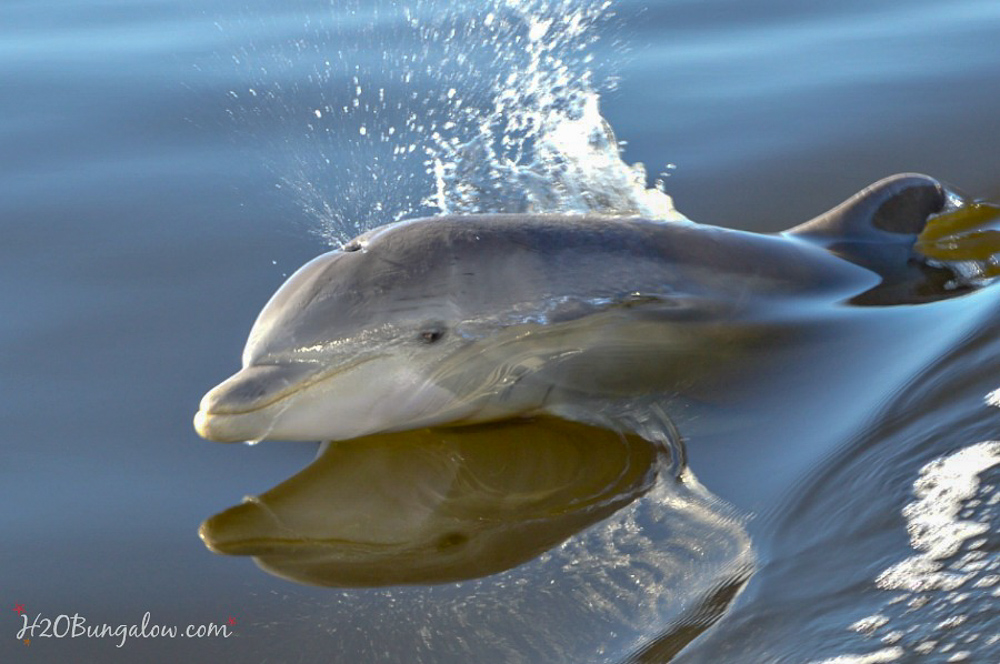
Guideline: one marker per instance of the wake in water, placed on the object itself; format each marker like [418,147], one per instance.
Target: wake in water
[512,124]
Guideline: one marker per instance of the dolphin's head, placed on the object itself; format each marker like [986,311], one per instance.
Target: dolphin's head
[358,340]
[346,347]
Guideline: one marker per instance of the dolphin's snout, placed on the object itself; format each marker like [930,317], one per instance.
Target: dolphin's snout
[255,387]
[240,408]
[233,428]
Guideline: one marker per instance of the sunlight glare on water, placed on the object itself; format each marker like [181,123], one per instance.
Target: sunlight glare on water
[944,602]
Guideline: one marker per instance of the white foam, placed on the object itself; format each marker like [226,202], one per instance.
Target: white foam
[993,399]
[879,657]
[933,524]
[946,522]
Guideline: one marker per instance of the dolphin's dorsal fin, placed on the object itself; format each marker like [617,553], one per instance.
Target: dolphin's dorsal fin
[892,210]
[877,229]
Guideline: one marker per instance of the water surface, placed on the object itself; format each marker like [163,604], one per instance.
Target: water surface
[147,214]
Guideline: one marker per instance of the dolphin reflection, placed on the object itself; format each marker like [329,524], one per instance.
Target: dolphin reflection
[566,535]
[436,505]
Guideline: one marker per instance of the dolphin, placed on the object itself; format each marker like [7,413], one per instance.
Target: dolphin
[465,319]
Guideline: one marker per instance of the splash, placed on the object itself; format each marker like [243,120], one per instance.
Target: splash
[380,111]
[541,143]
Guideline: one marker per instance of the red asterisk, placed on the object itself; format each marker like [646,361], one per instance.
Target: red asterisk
[232,621]
[19,608]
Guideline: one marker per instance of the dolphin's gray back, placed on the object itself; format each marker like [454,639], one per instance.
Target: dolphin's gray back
[508,269]
[531,258]
[502,269]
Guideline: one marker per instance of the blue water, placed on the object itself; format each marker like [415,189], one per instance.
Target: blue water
[146,215]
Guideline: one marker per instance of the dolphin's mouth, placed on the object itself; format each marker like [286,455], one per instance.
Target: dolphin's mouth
[246,405]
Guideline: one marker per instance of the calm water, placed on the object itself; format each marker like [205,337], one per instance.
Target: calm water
[149,207]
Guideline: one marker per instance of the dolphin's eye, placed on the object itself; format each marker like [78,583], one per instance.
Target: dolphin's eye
[431,335]
[353,245]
